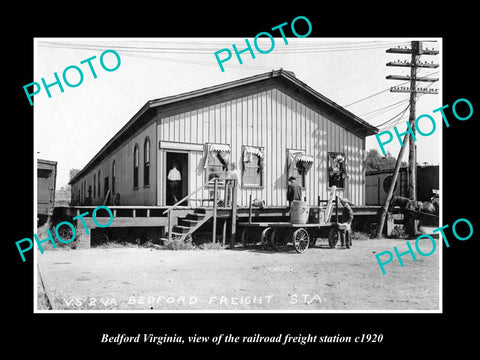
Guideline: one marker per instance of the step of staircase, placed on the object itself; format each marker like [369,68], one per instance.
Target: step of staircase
[181,229]
[195,216]
[190,223]
[187,222]
[178,236]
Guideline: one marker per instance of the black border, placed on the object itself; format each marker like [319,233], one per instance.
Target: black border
[426,333]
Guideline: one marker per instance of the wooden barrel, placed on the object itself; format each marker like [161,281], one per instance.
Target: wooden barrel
[299,212]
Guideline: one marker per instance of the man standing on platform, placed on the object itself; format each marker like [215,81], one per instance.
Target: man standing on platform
[294,191]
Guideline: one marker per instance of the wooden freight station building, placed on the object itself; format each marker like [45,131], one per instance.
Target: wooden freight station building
[272,126]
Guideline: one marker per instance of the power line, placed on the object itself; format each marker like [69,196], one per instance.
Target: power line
[400,114]
[291,49]
[384,108]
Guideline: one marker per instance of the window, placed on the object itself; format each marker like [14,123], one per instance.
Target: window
[98,188]
[44,173]
[146,162]
[135,167]
[298,165]
[105,185]
[114,176]
[252,161]
[299,174]
[215,169]
[217,160]
[337,170]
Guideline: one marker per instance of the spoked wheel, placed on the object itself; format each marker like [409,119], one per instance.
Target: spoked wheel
[246,238]
[266,238]
[279,239]
[333,237]
[300,240]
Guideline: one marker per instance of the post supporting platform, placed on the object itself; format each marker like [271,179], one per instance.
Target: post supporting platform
[233,231]
[82,239]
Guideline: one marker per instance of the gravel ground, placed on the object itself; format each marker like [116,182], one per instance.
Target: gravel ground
[241,279]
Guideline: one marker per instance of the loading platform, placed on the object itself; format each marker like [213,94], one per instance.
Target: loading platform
[179,222]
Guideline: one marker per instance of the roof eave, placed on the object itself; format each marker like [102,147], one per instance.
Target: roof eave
[139,113]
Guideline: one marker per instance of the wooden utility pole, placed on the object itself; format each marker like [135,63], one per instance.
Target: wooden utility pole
[386,204]
[415,51]
[412,146]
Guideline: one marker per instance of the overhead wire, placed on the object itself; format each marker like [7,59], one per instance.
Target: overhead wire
[149,51]
[293,48]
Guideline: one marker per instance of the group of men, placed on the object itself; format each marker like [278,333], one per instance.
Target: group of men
[294,193]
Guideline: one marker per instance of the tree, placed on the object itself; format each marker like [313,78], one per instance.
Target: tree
[73,172]
[374,161]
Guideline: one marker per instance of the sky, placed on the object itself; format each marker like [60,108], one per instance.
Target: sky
[71,127]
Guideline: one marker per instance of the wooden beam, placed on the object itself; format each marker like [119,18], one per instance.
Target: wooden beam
[224,232]
[409,64]
[128,222]
[214,230]
[169,226]
[408,78]
[233,232]
[250,210]
[417,90]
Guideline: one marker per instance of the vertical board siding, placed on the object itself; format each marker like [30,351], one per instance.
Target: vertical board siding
[270,118]
[123,157]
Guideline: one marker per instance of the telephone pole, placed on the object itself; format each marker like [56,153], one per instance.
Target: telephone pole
[416,50]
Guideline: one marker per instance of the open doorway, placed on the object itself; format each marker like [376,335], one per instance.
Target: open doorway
[176,177]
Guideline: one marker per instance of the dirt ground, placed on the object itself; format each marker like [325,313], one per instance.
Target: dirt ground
[241,279]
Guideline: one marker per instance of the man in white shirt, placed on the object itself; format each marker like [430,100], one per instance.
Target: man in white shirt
[175,183]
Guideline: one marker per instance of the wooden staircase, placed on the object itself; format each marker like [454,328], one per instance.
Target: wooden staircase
[190,223]
[187,225]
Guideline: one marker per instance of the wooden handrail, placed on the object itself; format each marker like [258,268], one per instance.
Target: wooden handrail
[215,206]
[186,197]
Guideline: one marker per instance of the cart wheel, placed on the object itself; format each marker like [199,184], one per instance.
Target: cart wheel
[278,239]
[333,237]
[266,238]
[300,240]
